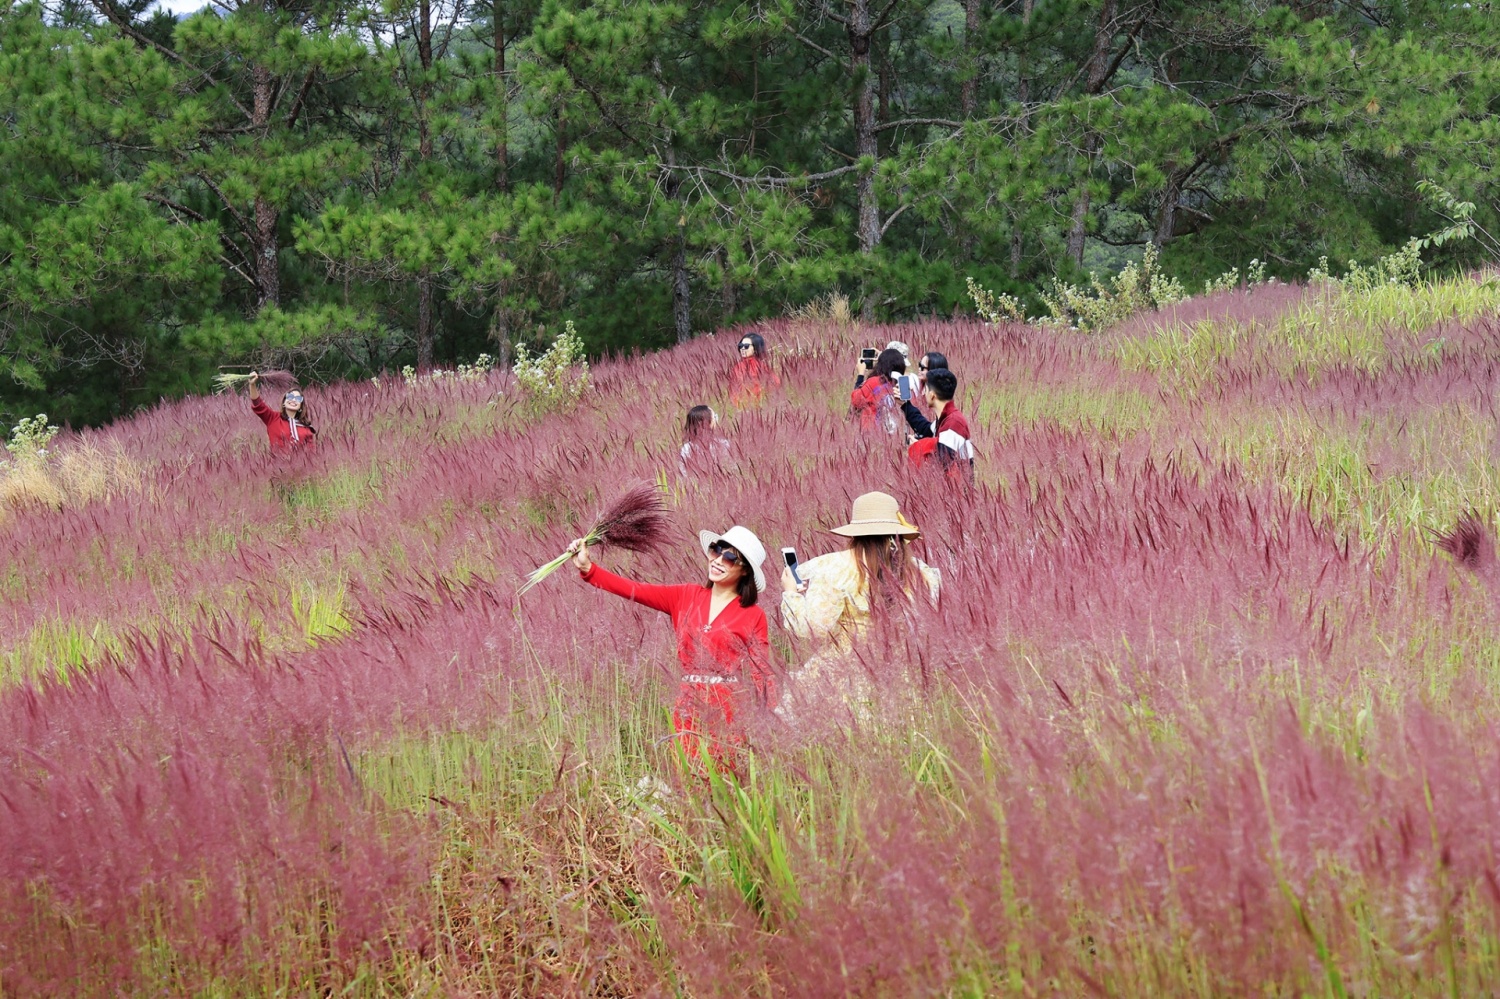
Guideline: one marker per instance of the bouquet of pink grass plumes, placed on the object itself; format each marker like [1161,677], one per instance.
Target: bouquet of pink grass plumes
[271,382]
[635,521]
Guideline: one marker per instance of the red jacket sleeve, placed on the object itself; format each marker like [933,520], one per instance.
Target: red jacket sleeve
[260,409]
[663,598]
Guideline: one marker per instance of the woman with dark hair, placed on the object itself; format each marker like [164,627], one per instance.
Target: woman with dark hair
[751,373]
[930,361]
[288,429]
[841,593]
[703,449]
[722,643]
[874,399]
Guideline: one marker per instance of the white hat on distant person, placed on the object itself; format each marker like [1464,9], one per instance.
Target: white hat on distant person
[744,541]
[898,345]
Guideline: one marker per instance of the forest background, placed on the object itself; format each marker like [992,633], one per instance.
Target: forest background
[348,187]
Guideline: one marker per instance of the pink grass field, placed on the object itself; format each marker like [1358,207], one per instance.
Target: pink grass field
[1205,709]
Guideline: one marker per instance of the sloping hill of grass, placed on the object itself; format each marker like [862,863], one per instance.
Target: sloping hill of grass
[1203,709]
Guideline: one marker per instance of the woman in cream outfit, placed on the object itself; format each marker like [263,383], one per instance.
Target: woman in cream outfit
[838,598]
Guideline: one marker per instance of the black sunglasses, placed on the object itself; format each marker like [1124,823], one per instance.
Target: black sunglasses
[720,550]
[747,346]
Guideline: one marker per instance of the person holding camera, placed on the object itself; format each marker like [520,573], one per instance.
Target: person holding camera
[841,594]
[947,436]
[875,396]
[723,646]
[288,429]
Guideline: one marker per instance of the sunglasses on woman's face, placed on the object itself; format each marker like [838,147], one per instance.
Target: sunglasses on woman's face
[293,397]
[747,346]
[720,550]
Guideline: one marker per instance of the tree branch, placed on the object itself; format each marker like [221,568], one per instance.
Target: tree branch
[893,217]
[814,45]
[174,207]
[296,108]
[239,219]
[948,122]
[767,182]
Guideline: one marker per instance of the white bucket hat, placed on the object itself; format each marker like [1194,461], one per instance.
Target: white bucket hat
[744,541]
[898,345]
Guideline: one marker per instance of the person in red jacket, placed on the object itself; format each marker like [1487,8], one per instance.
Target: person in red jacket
[722,643]
[947,437]
[751,374]
[874,399]
[288,429]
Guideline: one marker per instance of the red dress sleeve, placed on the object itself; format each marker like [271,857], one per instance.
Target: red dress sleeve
[666,599]
[260,409]
[761,673]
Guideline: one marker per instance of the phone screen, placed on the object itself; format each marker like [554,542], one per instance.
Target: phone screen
[868,354]
[905,385]
[790,554]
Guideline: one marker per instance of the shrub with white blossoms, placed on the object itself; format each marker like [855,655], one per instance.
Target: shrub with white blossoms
[29,439]
[1138,287]
[556,378]
[482,366]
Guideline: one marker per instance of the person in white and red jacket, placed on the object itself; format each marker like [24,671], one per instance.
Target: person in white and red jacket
[288,430]
[947,437]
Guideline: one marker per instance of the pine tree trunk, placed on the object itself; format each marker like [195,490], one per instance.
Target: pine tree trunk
[502,94]
[1078,226]
[1099,72]
[682,302]
[968,100]
[267,274]
[562,143]
[426,327]
[729,296]
[1166,220]
[860,32]
[1023,97]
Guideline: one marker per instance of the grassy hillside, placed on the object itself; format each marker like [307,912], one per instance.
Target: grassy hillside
[1204,709]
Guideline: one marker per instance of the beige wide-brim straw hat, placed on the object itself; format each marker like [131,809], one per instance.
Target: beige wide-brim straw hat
[877,514]
[744,541]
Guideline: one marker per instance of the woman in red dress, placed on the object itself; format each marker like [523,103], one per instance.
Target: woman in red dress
[722,643]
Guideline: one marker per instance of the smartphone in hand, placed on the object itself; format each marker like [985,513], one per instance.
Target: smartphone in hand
[904,386]
[789,555]
[867,357]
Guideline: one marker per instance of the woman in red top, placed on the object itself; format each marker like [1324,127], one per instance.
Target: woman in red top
[751,373]
[874,398]
[722,644]
[288,429]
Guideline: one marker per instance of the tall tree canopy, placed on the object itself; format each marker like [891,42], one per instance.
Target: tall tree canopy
[348,186]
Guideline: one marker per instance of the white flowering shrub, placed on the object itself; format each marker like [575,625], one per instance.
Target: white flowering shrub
[29,439]
[482,366]
[558,377]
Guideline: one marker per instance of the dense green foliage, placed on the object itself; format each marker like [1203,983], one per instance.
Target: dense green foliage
[347,187]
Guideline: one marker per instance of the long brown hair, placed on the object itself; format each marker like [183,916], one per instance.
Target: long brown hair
[886,570]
